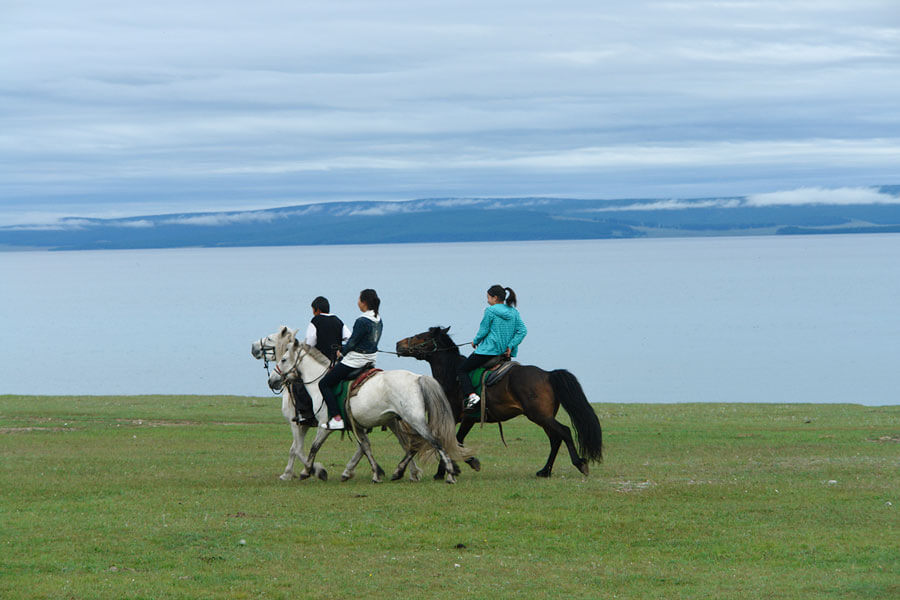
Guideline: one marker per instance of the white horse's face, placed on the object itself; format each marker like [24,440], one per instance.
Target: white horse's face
[273,344]
[288,367]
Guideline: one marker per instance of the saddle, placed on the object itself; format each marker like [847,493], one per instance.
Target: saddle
[349,387]
[492,371]
[359,377]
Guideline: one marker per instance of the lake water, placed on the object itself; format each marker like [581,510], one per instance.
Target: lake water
[743,319]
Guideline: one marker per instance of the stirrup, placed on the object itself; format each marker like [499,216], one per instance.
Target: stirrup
[472,401]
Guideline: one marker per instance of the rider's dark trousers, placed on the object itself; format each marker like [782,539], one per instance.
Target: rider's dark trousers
[302,401]
[470,364]
[337,374]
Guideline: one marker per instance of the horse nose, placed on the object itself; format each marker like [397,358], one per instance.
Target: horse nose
[274,381]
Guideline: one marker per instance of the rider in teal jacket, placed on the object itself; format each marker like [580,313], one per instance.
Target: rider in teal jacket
[501,332]
[501,329]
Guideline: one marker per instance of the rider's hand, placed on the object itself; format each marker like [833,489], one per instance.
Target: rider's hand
[508,352]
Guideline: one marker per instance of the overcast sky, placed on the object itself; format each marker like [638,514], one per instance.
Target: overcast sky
[117,108]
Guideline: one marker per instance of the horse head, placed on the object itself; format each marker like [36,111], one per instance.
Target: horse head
[419,346]
[287,369]
[273,345]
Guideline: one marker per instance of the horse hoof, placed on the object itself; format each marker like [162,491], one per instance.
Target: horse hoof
[374,480]
[415,477]
[396,475]
[543,473]
[474,463]
[286,476]
[438,476]
[450,479]
[346,476]
[303,475]
[322,474]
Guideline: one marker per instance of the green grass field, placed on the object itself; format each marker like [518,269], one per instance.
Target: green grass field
[179,497]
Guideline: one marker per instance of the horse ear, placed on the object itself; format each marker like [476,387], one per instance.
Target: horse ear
[283,329]
[445,329]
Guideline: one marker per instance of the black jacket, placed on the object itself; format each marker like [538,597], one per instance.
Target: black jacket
[365,336]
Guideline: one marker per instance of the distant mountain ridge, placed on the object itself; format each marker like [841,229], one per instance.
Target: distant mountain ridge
[464,220]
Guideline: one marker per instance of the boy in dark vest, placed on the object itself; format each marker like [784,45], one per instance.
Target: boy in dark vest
[326,333]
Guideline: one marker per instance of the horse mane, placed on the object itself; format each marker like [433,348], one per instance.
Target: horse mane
[442,338]
[316,354]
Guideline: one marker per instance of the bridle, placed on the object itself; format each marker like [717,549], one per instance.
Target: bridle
[295,368]
[268,353]
[422,347]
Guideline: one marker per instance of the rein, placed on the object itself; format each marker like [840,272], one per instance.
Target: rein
[268,353]
[422,347]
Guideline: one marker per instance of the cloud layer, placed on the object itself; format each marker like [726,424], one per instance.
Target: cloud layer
[111,109]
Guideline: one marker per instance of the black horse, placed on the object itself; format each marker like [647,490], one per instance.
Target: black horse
[525,389]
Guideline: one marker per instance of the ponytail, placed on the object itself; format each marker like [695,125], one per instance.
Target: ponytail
[498,291]
[371,299]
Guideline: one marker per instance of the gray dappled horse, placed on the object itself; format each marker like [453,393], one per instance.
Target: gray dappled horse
[385,397]
[272,347]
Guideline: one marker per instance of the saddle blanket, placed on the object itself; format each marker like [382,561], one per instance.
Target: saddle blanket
[349,388]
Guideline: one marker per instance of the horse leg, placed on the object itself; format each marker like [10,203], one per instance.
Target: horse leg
[464,428]
[566,433]
[449,477]
[447,464]
[366,447]
[309,463]
[555,442]
[415,472]
[351,466]
[299,432]
[296,451]
[559,433]
[401,468]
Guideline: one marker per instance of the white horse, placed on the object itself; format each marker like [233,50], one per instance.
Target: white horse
[417,400]
[272,347]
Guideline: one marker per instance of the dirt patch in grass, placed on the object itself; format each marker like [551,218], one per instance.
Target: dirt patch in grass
[31,429]
[888,439]
[633,486]
[171,423]
[158,423]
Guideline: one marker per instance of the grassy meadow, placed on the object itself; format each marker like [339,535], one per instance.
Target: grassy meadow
[179,497]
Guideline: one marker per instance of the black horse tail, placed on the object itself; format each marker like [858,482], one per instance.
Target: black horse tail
[584,419]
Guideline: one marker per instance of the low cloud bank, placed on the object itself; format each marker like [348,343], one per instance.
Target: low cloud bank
[672,205]
[812,196]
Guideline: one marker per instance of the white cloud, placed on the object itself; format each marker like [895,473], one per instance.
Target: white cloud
[138,224]
[380,210]
[219,219]
[822,152]
[671,205]
[822,196]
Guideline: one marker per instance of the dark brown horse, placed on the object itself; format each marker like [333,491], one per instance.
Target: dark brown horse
[525,390]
